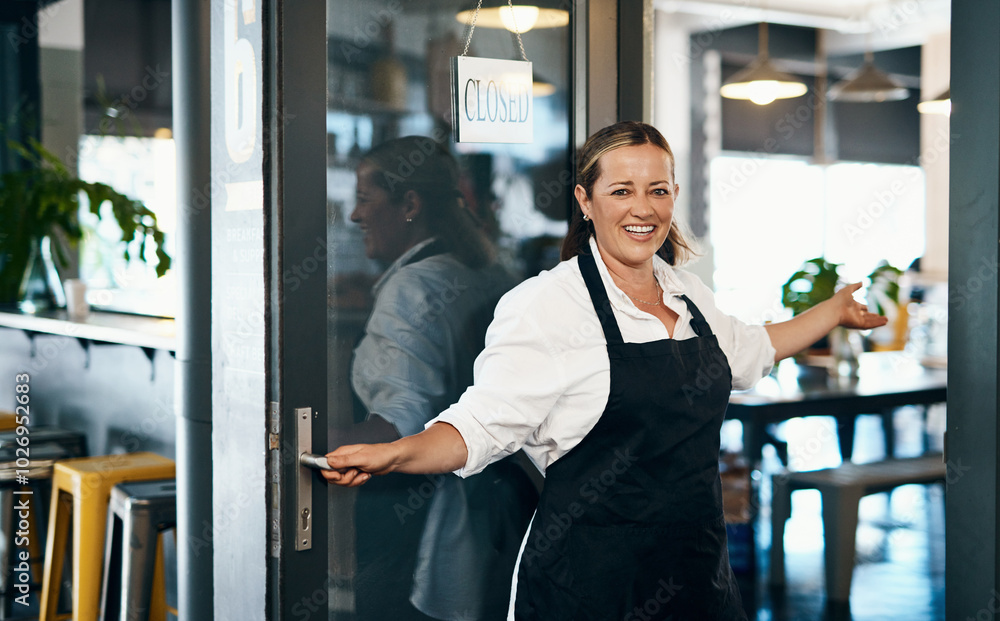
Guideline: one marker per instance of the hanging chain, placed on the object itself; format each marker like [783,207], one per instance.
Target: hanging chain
[472,28]
[513,17]
[517,30]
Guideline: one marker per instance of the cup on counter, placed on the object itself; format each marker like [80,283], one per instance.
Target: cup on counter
[76,299]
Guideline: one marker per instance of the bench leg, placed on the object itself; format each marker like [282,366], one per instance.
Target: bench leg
[781,510]
[840,525]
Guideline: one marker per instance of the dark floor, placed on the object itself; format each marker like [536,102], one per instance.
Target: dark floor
[899,570]
[899,573]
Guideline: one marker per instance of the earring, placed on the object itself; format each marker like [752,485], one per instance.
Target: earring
[409,219]
[586,217]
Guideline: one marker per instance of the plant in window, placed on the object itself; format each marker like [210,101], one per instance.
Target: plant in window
[814,282]
[42,202]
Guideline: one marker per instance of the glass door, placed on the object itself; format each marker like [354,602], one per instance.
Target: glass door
[424,235]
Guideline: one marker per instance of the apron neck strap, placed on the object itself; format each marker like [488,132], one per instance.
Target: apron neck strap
[698,322]
[599,296]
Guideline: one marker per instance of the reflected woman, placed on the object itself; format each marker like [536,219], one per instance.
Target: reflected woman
[427,547]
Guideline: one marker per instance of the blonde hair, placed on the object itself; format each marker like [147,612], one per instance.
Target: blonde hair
[675,249]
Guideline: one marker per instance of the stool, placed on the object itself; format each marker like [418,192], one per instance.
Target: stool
[74,442]
[80,491]
[40,468]
[8,420]
[842,489]
[137,514]
[47,444]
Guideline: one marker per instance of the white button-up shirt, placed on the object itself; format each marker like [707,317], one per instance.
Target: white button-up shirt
[542,382]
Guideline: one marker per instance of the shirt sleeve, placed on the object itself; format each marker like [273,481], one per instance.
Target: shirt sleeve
[519,377]
[400,365]
[747,347]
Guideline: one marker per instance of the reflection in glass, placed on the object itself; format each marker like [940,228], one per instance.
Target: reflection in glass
[409,301]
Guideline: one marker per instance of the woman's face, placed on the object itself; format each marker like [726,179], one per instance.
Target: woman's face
[631,204]
[383,223]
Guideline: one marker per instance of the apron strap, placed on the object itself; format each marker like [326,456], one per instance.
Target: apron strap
[599,296]
[698,322]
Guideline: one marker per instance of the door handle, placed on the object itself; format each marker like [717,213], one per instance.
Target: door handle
[308,461]
[312,460]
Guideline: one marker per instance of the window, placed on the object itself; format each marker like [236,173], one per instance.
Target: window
[143,169]
[768,215]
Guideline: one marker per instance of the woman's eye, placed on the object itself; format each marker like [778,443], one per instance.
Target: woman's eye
[619,192]
[661,192]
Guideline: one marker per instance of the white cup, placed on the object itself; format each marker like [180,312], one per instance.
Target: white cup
[76,299]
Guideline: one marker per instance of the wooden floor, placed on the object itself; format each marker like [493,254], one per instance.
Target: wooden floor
[899,573]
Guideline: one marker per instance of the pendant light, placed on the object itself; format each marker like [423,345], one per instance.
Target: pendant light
[868,83]
[761,82]
[939,105]
[516,17]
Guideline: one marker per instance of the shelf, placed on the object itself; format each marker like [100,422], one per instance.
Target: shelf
[118,328]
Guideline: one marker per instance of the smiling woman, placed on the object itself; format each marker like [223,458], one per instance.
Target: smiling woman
[601,378]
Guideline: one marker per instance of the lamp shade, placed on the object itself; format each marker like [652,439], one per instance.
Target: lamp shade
[939,105]
[868,83]
[761,82]
[522,19]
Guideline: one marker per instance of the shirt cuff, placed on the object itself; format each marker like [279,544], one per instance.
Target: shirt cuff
[477,446]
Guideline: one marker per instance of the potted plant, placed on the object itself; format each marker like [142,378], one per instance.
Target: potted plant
[814,282]
[38,218]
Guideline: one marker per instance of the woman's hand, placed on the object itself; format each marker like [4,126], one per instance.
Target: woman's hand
[792,336]
[439,448]
[354,464]
[854,314]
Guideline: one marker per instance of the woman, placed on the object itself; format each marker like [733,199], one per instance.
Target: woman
[440,547]
[613,372]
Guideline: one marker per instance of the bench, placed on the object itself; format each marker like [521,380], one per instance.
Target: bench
[841,489]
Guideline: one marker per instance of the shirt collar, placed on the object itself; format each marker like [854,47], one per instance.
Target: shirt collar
[398,264]
[663,271]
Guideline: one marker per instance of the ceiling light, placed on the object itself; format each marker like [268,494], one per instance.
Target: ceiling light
[939,105]
[761,82]
[523,18]
[868,83]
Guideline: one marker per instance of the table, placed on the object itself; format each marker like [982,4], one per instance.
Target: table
[886,381]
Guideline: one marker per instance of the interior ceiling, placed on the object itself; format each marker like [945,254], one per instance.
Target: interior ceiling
[851,25]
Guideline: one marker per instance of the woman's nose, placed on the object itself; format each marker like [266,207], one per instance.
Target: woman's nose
[641,207]
[355,214]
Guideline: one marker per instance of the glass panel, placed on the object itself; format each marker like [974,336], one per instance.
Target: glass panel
[425,235]
[784,212]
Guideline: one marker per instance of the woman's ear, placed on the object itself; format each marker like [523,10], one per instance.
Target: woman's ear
[413,205]
[581,197]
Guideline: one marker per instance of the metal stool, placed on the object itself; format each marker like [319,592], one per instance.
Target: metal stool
[81,489]
[137,514]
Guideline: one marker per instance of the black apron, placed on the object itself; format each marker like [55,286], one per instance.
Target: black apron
[630,522]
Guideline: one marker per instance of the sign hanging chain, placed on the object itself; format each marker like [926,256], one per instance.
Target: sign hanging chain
[513,17]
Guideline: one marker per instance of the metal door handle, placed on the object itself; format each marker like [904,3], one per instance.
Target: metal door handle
[312,460]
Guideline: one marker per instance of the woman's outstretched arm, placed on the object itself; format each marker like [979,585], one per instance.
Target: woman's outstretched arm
[792,336]
[439,448]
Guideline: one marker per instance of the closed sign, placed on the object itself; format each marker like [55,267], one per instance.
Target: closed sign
[491,100]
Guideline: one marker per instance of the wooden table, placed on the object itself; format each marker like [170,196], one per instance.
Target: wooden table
[886,381]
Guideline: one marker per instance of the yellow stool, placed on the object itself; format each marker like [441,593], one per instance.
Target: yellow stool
[8,421]
[81,489]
